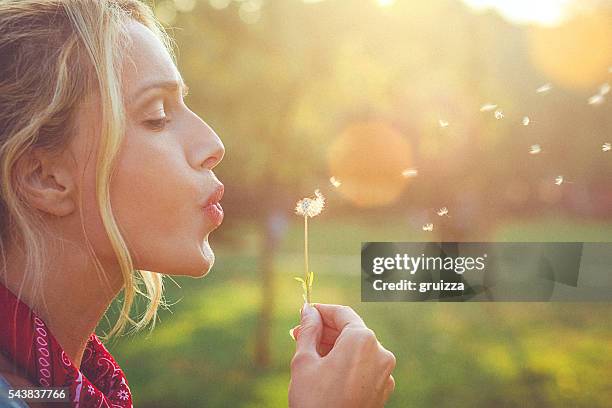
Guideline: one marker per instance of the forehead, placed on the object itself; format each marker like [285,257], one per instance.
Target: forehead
[146,60]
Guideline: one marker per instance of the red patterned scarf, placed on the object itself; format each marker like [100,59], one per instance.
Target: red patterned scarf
[26,340]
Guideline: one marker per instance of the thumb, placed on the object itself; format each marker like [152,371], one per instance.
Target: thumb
[311,329]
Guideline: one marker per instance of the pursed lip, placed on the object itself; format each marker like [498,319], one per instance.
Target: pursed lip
[216,196]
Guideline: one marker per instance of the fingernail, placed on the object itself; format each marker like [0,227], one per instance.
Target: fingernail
[307,309]
[294,332]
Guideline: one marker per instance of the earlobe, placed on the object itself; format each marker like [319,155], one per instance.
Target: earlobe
[47,184]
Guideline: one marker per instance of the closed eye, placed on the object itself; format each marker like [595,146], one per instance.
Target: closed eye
[157,124]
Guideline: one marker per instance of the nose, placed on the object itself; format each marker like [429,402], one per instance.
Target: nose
[213,149]
[215,156]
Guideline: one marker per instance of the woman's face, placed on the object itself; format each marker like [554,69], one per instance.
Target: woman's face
[163,174]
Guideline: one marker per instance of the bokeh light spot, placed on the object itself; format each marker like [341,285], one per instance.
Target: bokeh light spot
[369,158]
[575,54]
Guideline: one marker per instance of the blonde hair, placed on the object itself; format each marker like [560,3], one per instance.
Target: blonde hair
[54,54]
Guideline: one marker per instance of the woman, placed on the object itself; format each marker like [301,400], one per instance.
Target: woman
[92,114]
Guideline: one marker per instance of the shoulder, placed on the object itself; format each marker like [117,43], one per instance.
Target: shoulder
[5,401]
[9,380]
[7,372]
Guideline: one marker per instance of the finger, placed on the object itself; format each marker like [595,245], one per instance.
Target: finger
[338,316]
[329,335]
[294,331]
[389,388]
[310,331]
[325,348]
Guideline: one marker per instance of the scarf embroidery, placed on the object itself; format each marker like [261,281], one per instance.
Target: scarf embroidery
[26,340]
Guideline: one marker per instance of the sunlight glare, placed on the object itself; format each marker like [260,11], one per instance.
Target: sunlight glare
[544,12]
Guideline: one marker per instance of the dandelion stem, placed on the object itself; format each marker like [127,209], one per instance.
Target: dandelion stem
[306,258]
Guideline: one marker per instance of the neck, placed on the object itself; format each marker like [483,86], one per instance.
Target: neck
[72,298]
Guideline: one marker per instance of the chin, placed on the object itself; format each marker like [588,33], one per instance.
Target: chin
[196,263]
[208,259]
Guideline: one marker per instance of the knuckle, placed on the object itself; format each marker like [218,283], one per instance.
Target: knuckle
[391,383]
[389,359]
[366,337]
[369,335]
[348,309]
[300,359]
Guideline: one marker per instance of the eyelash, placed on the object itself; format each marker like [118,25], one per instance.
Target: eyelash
[157,124]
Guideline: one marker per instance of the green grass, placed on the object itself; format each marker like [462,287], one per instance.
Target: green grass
[448,354]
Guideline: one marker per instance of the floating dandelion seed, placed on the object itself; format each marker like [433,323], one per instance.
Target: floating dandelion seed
[559,180]
[443,123]
[428,227]
[596,99]
[487,107]
[604,89]
[535,149]
[335,182]
[499,114]
[443,211]
[308,207]
[410,173]
[606,147]
[526,121]
[544,88]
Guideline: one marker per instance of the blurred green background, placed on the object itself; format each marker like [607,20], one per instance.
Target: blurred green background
[300,91]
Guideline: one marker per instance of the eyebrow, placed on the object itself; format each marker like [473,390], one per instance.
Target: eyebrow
[170,85]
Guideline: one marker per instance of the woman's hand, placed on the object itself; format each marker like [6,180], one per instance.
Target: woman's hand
[338,361]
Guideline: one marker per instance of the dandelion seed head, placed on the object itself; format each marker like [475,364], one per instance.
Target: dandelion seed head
[442,211]
[544,88]
[606,147]
[487,107]
[410,173]
[559,180]
[535,149]
[443,123]
[428,227]
[310,207]
[526,121]
[335,182]
[499,114]
[604,89]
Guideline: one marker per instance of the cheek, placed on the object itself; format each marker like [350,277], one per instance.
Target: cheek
[92,221]
[154,201]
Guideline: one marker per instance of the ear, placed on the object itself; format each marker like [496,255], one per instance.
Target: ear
[47,181]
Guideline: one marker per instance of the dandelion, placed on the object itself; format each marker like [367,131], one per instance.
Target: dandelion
[442,212]
[443,123]
[428,227]
[526,121]
[335,182]
[544,88]
[559,180]
[308,207]
[606,147]
[487,107]
[499,114]
[535,149]
[410,173]
[596,99]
